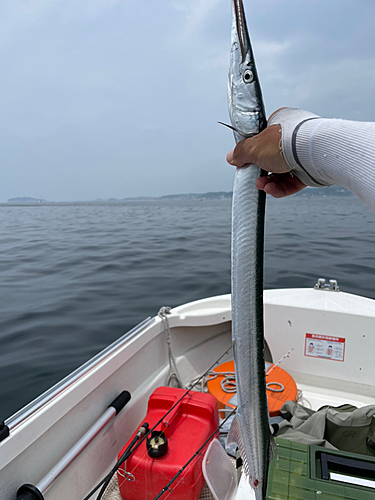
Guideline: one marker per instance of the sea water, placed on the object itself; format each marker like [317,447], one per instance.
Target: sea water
[74,277]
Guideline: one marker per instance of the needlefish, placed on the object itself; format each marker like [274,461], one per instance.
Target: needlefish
[250,429]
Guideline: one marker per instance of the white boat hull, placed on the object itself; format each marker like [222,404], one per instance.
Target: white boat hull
[200,334]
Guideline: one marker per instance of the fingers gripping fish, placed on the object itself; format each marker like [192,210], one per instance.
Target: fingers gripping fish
[250,429]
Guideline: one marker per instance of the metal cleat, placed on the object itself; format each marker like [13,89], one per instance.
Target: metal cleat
[331,286]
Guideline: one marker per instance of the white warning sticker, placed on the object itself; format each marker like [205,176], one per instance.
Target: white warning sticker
[324,346]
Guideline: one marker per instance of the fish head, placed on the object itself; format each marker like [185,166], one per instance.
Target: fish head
[245,102]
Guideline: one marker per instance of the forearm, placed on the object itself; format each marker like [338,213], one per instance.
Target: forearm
[322,152]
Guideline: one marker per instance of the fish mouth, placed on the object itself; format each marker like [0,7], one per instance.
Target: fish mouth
[240,28]
[245,103]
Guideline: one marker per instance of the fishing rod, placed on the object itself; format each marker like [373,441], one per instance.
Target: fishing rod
[167,486]
[105,481]
[139,442]
[184,467]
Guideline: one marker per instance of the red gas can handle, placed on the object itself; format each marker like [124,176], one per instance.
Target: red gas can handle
[171,421]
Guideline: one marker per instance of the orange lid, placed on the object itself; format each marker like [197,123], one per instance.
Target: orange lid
[283,385]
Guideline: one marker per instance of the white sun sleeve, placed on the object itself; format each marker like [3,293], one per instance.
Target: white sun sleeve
[323,152]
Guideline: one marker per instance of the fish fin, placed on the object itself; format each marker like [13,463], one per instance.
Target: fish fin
[235,436]
[273,449]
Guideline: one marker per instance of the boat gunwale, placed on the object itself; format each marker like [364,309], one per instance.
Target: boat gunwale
[56,390]
[188,314]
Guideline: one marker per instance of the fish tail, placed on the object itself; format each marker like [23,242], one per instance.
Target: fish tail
[273,449]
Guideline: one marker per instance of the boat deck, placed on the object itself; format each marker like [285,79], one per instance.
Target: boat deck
[316,397]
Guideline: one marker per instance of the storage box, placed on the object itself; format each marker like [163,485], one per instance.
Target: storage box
[310,473]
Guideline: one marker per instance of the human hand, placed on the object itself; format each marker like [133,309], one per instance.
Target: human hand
[280,185]
[264,150]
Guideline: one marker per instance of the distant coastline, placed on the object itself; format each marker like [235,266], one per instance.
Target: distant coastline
[219,195]
[26,200]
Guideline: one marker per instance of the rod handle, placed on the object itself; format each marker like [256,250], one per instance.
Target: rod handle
[29,492]
[121,400]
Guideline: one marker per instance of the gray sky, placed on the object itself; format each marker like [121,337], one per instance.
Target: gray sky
[120,98]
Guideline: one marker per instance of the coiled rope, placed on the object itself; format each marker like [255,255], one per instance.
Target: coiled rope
[228,382]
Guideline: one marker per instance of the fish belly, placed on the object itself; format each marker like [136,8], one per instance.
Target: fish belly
[251,430]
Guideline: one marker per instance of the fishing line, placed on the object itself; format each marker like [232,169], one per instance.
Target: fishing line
[182,477]
[192,458]
[129,450]
[105,481]
[192,386]
[96,488]
[138,443]
[184,467]
[286,355]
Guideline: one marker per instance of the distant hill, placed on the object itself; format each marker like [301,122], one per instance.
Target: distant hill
[220,195]
[224,195]
[324,191]
[25,199]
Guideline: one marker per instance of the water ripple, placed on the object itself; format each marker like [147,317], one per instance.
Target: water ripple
[75,277]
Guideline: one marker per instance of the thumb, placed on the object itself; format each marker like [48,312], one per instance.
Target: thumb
[230,157]
[242,154]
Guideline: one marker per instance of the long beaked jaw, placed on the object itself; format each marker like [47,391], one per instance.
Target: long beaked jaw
[244,94]
[240,29]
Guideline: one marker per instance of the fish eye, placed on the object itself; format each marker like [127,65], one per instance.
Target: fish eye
[248,76]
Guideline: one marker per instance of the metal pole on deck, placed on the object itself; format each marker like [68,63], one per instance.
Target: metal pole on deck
[31,492]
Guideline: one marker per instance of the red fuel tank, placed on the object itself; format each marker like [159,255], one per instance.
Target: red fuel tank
[182,432]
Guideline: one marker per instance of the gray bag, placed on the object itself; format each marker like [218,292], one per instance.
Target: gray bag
[345,427]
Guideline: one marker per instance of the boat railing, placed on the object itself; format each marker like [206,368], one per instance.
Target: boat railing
[45,398]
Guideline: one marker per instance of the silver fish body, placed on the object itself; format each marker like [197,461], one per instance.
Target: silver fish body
[250,429]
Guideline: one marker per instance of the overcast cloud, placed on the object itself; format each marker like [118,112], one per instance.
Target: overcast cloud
[121,98]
